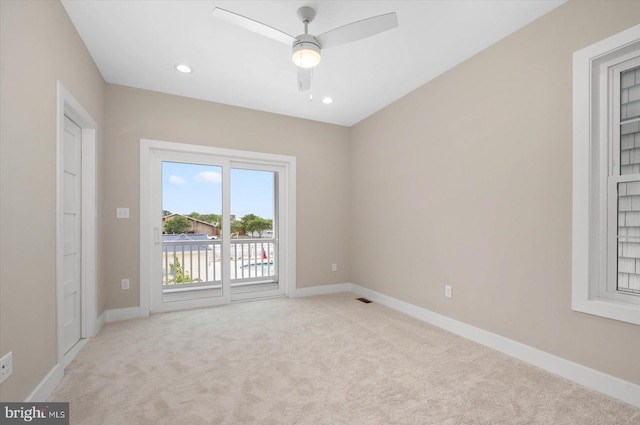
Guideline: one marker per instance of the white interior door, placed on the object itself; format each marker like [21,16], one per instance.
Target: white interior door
[72,245]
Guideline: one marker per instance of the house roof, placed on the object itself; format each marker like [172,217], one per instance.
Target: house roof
[188,218]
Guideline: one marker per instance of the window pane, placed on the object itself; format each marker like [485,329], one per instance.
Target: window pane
[630,148]
[630,94]
[253,252]
[629,237]
[630,131]
[191,217]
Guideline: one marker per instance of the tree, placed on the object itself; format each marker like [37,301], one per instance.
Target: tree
[179,273]
[214,219]
[236,227]
[166,213]
[248,218]
[259,225]
[244,223]
[177,224]
[197,216]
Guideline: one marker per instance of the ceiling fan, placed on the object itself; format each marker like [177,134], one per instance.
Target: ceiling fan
[307,47]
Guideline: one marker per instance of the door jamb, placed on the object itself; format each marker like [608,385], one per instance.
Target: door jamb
[68,106]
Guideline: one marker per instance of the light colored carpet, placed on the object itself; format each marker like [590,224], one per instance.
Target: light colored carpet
[318,360]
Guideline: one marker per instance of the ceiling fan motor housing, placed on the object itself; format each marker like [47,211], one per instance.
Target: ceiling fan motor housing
[306,51]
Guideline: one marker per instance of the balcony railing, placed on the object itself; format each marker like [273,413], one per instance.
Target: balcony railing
[197,264]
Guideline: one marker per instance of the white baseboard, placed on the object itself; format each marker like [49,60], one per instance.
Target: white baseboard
[590,378]
[101,321]
[119,314]
[321,290]
[46,387]
[73,352]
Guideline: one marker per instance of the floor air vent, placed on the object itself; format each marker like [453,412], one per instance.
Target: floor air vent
[364,300]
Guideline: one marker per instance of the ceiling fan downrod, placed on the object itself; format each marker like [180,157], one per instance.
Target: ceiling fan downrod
[306,48]
[306,15]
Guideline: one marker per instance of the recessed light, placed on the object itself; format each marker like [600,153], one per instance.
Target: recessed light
[184,69]
[327,100]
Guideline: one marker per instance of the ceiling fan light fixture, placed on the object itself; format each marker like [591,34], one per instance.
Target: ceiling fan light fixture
[306,58]
[306,53]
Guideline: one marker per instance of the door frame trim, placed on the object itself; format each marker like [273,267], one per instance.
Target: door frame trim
[68,106]
[148,146]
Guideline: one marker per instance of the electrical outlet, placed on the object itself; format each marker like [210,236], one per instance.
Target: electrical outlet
[334,267]
[125,284]
[6,367]
[447,291]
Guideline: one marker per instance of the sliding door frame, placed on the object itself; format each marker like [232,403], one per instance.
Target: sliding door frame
[150,234]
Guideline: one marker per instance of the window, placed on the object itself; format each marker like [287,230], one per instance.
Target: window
[624,182]
[606,178]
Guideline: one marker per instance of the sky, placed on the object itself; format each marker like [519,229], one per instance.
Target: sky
[188,188]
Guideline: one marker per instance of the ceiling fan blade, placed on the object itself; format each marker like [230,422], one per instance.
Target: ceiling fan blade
[304,79]
[358,30]
[254,26]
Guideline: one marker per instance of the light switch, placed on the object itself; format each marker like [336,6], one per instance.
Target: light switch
[122,212]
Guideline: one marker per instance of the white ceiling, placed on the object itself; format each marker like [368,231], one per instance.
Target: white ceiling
[138,43]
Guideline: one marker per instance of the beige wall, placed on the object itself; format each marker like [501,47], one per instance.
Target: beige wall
[322,190]
[38,45]
[472,172]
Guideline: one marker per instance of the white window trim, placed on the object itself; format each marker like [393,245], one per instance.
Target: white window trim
[148,234]
[587,251]
[610,139]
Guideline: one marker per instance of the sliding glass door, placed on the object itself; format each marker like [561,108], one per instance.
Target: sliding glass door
[217,229]
[191,231]
[254,226]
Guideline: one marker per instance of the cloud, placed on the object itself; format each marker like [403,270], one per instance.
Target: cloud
[208,177]
[177,180]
